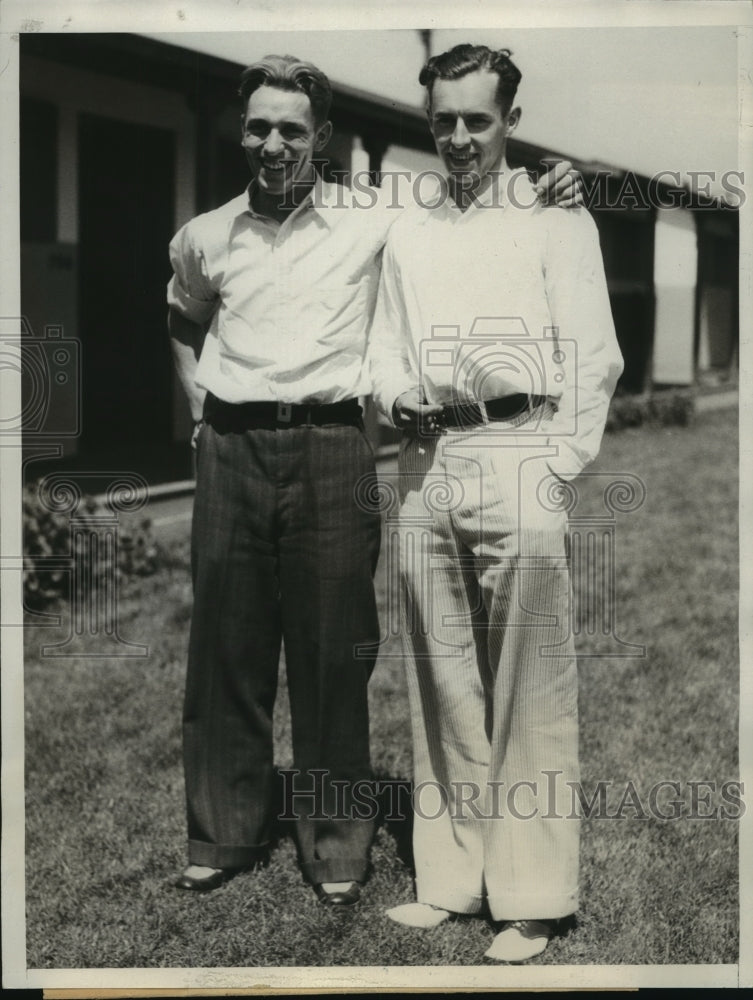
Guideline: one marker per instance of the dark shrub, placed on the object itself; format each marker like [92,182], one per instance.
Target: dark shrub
[669,407]
[52,547]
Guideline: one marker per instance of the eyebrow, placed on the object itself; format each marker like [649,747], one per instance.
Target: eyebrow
[457,114]
[282,124]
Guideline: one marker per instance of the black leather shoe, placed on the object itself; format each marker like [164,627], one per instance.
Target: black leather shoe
[205,883]
[342,897]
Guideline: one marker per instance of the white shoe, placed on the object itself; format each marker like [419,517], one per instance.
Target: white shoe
[521,939]
[418,915]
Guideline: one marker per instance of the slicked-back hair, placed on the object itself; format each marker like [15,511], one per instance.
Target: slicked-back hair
[464,59]
[289,73]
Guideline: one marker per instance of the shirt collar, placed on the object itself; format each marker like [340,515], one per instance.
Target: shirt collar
[321,197]
[509,187]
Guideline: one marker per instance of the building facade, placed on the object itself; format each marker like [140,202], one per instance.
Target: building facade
[123,139]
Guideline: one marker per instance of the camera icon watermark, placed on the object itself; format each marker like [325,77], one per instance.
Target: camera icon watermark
[500,359]
[49,369]
[550,540]
[75,540]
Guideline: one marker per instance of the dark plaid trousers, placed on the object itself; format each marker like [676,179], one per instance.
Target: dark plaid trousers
[282,550]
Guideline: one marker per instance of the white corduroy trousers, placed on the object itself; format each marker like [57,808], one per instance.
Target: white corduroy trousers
[491,674]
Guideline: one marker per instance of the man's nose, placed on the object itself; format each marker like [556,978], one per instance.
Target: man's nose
[460,136]
[273,143]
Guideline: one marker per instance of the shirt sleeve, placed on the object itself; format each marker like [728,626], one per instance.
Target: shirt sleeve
[579,305]
[190,290]
[391,368]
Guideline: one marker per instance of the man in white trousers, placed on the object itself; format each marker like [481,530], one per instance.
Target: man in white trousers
[493,347]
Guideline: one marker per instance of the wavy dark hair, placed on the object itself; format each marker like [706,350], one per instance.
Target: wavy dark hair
[464,59]
[289,73]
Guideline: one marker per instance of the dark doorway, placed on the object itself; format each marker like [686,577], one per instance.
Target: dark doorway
[627,246]
[37,127]
[126,199]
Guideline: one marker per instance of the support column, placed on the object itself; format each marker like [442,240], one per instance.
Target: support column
[375,143]
[67,179]
[675,276]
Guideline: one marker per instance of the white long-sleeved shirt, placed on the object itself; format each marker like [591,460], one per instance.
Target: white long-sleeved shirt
[507,297]
[288,305]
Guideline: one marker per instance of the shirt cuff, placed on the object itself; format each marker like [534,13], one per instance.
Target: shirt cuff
[567,463]
[395,395]
[196,310]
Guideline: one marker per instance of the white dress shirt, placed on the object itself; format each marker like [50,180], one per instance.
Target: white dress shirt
[288,305]
[507,297]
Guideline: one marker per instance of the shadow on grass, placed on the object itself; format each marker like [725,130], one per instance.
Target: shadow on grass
[395,798]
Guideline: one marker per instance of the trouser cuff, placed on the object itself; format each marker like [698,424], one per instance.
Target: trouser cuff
[226,855]
[524,906]
[335,870]
[452,900]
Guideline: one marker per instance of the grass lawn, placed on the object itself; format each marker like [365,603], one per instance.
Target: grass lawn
[104,807]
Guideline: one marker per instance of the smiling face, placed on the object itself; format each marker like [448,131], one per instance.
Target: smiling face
[280,137]
[470,128]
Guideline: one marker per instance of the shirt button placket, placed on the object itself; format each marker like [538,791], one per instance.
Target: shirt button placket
[284,284]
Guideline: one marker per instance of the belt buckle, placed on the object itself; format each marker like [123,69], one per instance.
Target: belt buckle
[284,413]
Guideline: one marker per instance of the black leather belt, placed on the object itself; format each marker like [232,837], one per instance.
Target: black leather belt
[277,416]
[469,414]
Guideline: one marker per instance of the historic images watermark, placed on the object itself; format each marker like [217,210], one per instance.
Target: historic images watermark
[602,190]
[49,369]
[592,560]
[91,562]
[49,412]
[547,797]
[463,369]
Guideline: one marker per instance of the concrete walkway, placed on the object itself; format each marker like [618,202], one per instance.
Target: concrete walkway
[717,400]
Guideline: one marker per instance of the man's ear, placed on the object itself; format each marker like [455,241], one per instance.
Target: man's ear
[513,118]
[323,136]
